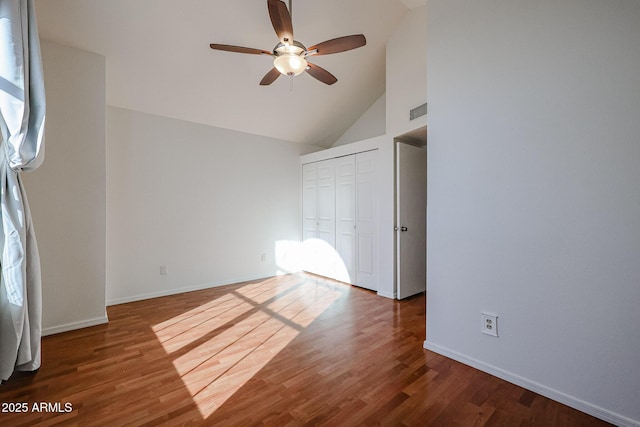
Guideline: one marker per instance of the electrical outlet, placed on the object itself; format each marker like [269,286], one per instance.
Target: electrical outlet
[163,270]
[263,257]
[490,324]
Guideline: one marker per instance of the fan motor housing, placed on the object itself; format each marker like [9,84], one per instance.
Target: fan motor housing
[296,48]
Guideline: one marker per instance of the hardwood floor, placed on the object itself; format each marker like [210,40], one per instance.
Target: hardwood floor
[292,350]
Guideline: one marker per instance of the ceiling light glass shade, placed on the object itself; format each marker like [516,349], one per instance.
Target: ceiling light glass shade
[290,64]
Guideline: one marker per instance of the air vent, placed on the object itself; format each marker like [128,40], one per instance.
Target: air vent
[418,112]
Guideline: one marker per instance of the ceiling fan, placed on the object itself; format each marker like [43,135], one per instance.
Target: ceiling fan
[290,56]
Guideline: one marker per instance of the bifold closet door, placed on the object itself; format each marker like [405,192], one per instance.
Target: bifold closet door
[309,216]
[326,202]
[309,201]
[346,218]
[318,217]
[366,220]
[340,219]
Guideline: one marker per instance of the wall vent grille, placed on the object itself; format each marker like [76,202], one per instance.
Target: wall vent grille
[418,112]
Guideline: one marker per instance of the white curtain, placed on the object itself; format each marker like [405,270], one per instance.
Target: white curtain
[22,112]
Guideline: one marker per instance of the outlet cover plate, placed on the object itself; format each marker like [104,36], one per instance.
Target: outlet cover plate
[490,324]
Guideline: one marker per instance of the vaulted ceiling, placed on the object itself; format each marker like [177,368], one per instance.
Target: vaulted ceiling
[158,60]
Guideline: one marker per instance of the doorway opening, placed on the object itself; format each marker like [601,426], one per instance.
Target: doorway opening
[411,213]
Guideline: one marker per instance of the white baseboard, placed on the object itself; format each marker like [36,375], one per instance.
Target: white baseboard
[551,393]
[74,325]
[104,319]
[386,295]
[175,291]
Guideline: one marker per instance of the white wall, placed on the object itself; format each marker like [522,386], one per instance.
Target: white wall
[206,202]
[406,87]
[406,68]
[67,193]
[533,195]
[372,123]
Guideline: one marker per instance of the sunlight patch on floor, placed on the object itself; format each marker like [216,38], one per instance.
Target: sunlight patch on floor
[221,345]
[174,335]
[267,289]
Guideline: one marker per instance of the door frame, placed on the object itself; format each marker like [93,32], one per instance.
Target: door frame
[418,138]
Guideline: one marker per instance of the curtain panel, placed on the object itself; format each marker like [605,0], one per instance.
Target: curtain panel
[22,116]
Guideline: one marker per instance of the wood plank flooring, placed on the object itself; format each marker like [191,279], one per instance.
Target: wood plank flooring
[294,350]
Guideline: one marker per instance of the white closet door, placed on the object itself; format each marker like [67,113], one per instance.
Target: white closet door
[309,201]
[326,258]
[309,217]
[346,218]
[366,221]
[326,206]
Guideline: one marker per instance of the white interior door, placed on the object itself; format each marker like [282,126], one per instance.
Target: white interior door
[346,218]
[411,215]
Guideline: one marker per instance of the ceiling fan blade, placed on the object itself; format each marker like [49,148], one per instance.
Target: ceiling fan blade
[341,44]
[270,77]
[321,74]
[281,20]
[239,49]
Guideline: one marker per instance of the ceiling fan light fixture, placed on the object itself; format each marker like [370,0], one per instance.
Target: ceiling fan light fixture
[290,64]
[289,54]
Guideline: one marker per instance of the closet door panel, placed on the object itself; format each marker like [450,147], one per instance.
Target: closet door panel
[309,217]
[346,218]
[326,258]
[326,202]
[366,220]
[309,203]
[366,255]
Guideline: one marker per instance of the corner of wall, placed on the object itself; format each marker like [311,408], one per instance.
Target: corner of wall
[70,226]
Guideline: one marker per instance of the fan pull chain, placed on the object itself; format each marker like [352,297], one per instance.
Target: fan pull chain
[291,83]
